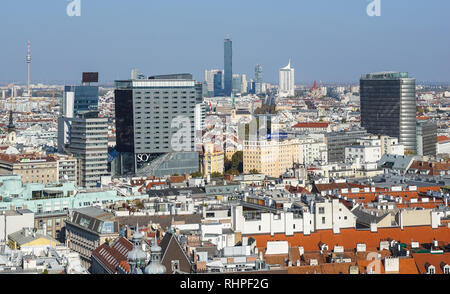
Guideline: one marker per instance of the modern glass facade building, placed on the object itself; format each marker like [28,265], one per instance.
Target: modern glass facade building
[228,66]
[151,114]
[80,99]
[426,138]
[218,88]
[388,106]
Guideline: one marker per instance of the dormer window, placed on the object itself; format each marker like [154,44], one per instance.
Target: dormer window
[431,270]
[446,269]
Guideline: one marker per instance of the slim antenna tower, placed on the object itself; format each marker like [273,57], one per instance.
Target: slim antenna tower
[28,68]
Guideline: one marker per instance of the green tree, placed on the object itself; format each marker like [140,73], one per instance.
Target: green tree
[196,175]
[253,171]
[237,161]
[216,175]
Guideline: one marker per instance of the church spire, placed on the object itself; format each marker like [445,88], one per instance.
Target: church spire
[11,126]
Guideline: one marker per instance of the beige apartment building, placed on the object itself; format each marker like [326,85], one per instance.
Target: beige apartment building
[271,157]
[32,169]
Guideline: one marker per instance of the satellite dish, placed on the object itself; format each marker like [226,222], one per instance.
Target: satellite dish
[66,177]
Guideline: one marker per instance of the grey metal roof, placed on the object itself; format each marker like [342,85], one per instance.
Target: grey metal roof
[20,237]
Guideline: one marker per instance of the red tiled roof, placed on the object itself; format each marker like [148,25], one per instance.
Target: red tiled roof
[111,256]
[12,158]
[350,237]
[422,261]
[177,179]
[443,139]
[297,189]
[433,167]
[312,125]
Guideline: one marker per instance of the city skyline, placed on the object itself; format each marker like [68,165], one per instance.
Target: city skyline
[325,40]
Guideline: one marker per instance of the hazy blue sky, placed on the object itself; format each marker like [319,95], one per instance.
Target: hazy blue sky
[328,40]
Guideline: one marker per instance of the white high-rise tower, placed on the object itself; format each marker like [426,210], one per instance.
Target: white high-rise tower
[287,81]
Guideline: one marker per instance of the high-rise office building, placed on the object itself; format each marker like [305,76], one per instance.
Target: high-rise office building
[237,83]
[155,125]
[88,142]
[426,138]
[287,80]
[228,66]
[76,100]
[258,79]
[218,84]
[209,80]
[82,98]
[388,106]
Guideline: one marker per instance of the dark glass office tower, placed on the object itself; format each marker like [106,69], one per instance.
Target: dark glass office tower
[388,106]
[228,66]
[149,115]
[218,90]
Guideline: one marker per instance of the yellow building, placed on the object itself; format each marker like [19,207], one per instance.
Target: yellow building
[271,157]
[212,160]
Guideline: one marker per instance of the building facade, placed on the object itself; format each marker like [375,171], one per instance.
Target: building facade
[88,143]
[88,228]
[336,142]
[426,138]
[228,66]
[388,106]
[287,81]
[271,157]
[155,125]
[32,169]
[212,160]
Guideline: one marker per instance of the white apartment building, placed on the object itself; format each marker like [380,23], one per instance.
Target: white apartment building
[326,215]
[368,151]
[314,151]
[287,81]
[443,145]
[390,145]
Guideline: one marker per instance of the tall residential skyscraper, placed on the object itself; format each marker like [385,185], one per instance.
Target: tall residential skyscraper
[152,114]
[287,81]
[258,79]
[228,66]
[388,106]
